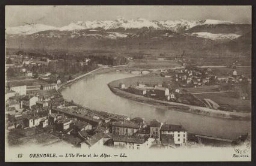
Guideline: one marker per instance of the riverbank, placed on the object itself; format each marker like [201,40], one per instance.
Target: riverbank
[99,70]
[179,106]
[159,103]
[100,98]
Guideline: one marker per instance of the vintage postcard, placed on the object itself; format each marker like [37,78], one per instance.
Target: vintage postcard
[128,83]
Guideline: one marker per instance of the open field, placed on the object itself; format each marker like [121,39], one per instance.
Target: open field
[218,60]
[203,89]
[149,79]
[224,99]
[179,106]
[246,71]
[28,82]
[150,64]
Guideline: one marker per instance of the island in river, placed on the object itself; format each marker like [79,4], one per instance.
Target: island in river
[167,105]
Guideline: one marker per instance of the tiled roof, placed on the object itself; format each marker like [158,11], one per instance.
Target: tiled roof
[155,123]
[126,124]
[83,133]
[78,114]
[167,140]
[47,94]
[71,139]
[137,120]
[12,102]
[95,138]
[27,97]
[128,139]
[171,127]
[80,124]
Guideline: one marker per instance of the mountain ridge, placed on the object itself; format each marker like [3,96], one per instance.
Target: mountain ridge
[174,25]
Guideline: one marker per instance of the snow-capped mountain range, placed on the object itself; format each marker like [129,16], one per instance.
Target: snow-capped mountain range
[175,25]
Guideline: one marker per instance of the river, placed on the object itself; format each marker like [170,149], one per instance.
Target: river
[92,91]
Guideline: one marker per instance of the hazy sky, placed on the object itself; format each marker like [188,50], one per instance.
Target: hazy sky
[63,15]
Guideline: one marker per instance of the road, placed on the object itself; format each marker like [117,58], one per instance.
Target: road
[209,92]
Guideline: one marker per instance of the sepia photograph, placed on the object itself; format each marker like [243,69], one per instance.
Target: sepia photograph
[128,83]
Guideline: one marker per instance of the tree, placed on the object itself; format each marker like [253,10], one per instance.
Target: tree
[8,61]
[10,72]
[70,77]
[36,75]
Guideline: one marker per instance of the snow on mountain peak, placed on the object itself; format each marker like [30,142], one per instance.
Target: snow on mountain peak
[211,21]
[174,25]
[72,26]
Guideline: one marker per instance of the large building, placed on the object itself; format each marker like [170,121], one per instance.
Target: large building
[161,91]
[79,115]
[173,135]
[129,142]
[124,128]
[21,90]
[28,101]
[155,127]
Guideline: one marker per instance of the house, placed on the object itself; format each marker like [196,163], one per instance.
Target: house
[18,122]
[13,103]
[8,94]
[29,74]
[161,91]
[32,121]
[63,124]
[76,141]
[79,115]
[144,132]
[58,82]
[171,97]
[138,90]
[50,87]
[21,90]
[44,123]
[26,62]
[124,128]
[140,85]
[44,95]
[23,70]
[129,142]
[154,129]
[96,141]
[173,135]
[234,74]
[47,74]
[177,90]
[10,125]
[82,134]
[53,117]
[81,126]
[139,121]
[122,86]
[42,104]
[28,101]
